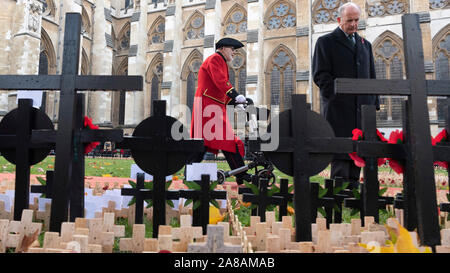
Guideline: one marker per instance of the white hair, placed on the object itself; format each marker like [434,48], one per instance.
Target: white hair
[343,7]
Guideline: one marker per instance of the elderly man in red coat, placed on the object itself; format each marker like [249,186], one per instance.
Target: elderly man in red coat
[209,115]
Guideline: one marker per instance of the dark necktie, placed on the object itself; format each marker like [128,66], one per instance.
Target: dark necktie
[352,39]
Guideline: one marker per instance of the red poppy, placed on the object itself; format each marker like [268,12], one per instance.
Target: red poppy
[396,137]
[359,135]
[88,124]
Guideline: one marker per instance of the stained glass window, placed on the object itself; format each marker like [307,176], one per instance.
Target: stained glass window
[237,72]
[195,28]
[387,7]
[389,65]
[157,33]
[281,15]
[282,79]
[236,21]
[326,11]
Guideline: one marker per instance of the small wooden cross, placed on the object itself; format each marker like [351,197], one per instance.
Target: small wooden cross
[214,243]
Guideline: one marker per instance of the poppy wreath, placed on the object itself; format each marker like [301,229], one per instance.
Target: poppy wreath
[359,135]
[441,137]
[88,124]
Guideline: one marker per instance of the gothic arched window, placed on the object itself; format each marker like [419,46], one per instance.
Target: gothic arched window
[156,34]
[189,75]
[235,21]
[441,52]
[281,14]
[387,7]
[154,78]
[237,72]
[326,11]
[124,38]
[85,23]
[388,55]
[195,27]
[281,74]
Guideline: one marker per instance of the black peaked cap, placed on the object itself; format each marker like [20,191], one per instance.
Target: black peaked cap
[229,42]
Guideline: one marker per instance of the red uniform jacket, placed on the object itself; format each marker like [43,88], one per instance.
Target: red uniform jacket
[209,116]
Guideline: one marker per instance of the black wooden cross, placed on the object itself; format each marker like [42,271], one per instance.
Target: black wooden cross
[306,145]
[200,215]
[141,194]
[21,147]
[358,203]
[255,181]
[287,197]
[262,199]
[47,188]
[416,87]
[326,202]
[69,82]
[156,152]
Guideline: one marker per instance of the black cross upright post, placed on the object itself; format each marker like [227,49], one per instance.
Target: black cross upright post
[140,193]
[200,215]
[287,197]
[255,181]
[371,184]
[316,202]
[357,203]
[82,136]
[156,151]
[47,188]
[262,199]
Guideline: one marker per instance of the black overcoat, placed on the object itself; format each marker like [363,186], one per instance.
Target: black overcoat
[336,57]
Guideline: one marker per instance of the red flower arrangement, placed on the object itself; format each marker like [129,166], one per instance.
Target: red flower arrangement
[358,135]
[88,124]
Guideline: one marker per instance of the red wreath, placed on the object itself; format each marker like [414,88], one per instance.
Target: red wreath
[442,136]
[358,135]
[88,124]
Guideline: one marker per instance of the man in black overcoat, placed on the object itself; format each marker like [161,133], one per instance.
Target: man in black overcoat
[343,54]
